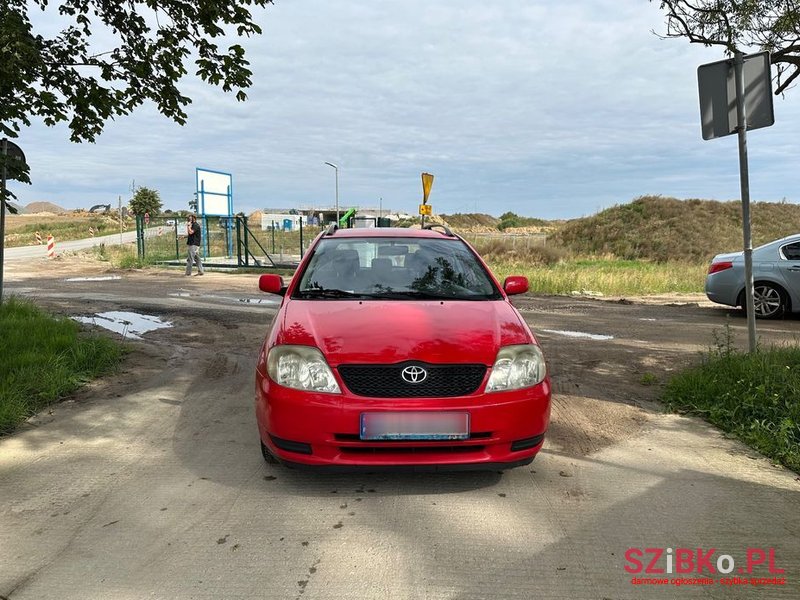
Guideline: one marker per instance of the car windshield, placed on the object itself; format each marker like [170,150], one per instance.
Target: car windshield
[395,269]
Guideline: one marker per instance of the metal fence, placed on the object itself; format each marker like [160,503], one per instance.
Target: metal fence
[283,243]
[158,239]
[236,242]
[515,240]
[226,242]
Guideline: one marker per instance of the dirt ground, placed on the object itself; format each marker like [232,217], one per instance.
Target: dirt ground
[604,393]
[149,483]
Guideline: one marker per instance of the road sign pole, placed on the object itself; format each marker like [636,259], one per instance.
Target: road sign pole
[744,177]
[3,215]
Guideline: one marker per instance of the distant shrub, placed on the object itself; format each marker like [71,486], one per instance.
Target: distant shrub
[511,219]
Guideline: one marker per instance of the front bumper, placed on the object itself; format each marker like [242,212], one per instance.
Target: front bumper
[310,429]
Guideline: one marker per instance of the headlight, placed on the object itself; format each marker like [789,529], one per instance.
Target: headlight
[517,367]
[301,368]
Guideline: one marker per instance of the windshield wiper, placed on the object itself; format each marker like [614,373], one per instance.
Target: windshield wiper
[387,295]
[421,295]
[329,293]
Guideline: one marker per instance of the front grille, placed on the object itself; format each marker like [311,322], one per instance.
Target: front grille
[386,381]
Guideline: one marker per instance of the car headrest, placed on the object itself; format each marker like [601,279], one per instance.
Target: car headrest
[345,255]
[381,264]
[420,259]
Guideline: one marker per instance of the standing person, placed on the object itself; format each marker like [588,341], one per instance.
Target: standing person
[193,243]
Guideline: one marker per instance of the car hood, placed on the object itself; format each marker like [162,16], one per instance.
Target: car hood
[385,332]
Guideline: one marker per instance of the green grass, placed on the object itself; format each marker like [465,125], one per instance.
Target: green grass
[755,397]
[553,269]
[648,379]
[44,358]
[126,256]
[607,276]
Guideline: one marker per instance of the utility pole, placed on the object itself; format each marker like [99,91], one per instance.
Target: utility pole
[336,168]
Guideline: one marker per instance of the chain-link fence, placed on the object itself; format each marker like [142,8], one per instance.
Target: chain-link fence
[513,240]
[158,238]
[282,242]
[228,242]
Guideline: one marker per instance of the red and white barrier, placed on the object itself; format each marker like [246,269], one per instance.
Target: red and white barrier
[91,231]
[51,246]
[160,231]
[38,238]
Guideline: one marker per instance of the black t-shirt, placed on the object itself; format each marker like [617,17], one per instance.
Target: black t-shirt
[194,236]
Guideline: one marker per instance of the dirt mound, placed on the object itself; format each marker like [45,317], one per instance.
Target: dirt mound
[662,229]
[44,207]
[468,221]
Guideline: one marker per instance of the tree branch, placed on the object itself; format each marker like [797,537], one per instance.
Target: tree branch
[782,86]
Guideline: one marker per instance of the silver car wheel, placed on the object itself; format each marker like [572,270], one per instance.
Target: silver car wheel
[768,301]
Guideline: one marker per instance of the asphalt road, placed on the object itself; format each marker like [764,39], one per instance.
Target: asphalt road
[27,252]
[150,484]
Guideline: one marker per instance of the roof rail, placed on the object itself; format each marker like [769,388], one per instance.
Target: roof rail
[331,229]
[447,231]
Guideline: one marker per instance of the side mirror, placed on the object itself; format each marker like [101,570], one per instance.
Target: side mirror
[514,285]
[272,284]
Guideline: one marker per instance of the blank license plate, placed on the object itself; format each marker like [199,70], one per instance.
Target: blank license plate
[415,426]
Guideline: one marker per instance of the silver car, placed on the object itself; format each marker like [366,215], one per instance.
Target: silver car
[776,278]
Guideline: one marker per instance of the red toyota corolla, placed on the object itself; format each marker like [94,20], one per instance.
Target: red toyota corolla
[398,347]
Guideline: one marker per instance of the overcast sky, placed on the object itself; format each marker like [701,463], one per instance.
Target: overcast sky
[548,109]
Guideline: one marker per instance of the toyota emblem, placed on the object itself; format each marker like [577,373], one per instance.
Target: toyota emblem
[414,374]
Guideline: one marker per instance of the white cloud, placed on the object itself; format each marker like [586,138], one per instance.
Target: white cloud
[547,109]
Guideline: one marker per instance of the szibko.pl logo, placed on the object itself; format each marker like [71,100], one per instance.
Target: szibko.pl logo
[698,566]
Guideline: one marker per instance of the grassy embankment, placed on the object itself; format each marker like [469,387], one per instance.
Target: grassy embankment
[651,245]
[44,358]
[755,397]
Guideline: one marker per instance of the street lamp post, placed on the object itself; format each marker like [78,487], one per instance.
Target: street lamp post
[335,168]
